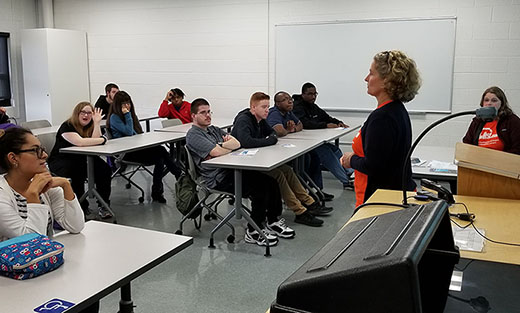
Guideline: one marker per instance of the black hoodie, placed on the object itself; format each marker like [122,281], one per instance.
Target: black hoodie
[250,133]
[311,115]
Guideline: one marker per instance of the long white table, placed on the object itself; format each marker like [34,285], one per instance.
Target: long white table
[225,123]
[429,153]
[123,252]
[325,134]
[117,146]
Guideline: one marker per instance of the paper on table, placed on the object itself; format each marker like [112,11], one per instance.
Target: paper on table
[417,162]
[468,239]
[288,145]
[246,152]
[438,166]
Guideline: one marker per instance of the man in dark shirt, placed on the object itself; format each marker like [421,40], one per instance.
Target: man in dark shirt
[105,101]
[313,117]
[206,141]
[252,131]
[282,119]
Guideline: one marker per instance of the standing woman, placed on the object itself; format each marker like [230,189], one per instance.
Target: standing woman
[503,133]
[381,145]
[122,121]
[30,200]
[82,129]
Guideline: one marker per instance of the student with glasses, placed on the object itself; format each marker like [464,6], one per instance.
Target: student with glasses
[82,129]
[30,200]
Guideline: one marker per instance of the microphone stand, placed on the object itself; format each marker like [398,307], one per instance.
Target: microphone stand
[416,142]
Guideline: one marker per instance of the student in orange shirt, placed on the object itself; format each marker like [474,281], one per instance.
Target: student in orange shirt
[503,133]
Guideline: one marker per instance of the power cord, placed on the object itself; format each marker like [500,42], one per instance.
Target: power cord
[475,228]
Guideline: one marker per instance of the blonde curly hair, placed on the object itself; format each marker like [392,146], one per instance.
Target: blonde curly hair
[400,74]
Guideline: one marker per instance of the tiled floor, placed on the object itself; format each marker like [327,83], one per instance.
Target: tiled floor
[230,278]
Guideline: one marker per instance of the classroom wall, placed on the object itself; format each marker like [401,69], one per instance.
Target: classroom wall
[223,50]
[16,15]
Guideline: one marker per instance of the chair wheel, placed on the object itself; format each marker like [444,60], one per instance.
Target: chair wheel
[128,186]
[141,199]
[207,217]
[213,216]
[178,232]
[231,201]
[230,238]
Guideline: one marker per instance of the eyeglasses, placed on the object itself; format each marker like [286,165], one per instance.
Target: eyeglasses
[205,113]
[289,99]
[85,112]
[39,150]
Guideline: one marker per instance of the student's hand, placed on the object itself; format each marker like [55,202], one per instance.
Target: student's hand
[291,127]
[40,183]
[226,137]
[125,108]
[332,125]
[2,110]
[343,125]
[345,159]
[169,95]
[98,115]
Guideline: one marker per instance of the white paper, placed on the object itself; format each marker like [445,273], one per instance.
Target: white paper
[248,152]
[438,166]
[468,239]
[288,145]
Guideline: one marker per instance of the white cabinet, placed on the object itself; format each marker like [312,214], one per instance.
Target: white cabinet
[55,73]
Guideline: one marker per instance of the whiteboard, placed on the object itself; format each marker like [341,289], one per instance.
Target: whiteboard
[336,57]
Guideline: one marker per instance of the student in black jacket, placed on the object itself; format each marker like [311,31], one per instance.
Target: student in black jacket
[313,117]
[105,101]
[381,145]
[250,128]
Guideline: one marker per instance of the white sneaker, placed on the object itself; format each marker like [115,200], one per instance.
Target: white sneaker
[252,236]
[280,229]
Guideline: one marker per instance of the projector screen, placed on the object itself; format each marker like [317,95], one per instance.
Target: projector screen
[336,57]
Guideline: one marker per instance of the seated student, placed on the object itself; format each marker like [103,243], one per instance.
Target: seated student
[282,119]
[205,142]
[313,117]
[123,122]
[31,200]
[5,123]
[104,101]
[252,130]
[82,129]
[503,133]
[174,106]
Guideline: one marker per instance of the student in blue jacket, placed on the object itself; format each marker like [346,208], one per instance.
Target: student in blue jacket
[122,121]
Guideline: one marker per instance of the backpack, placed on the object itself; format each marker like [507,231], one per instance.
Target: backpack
[187,196]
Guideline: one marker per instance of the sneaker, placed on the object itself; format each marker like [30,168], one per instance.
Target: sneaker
[318,210]
[159,198]
[280,229]
[104,213]
[349,185]
[308,219]
[326,196]
[252,236]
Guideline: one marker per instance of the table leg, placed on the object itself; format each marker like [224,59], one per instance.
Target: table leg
[147,122]
[126,305]
[92,192]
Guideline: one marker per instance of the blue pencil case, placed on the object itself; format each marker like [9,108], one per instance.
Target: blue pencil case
[29,256]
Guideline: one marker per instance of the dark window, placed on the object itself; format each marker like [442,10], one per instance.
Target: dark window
[5,84]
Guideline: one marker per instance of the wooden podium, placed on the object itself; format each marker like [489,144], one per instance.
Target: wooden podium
[486,172]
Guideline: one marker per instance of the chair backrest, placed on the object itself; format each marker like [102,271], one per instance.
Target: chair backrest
[47,140]
[171,122]
[191,169]
[35,124]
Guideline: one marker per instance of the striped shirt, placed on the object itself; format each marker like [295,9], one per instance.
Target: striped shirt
[21,203]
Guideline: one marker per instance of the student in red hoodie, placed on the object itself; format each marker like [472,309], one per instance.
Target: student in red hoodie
[174,106]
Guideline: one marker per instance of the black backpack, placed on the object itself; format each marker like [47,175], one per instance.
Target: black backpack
[187,196]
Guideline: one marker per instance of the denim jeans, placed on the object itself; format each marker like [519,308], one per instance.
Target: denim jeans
[329,156]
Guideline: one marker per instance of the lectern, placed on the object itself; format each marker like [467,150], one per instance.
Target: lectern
[486,172]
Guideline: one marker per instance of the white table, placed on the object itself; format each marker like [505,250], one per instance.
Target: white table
[266,159]
[429,153]
[45,130]
[99,260]
[184,128]
[118,146]
[325,134]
